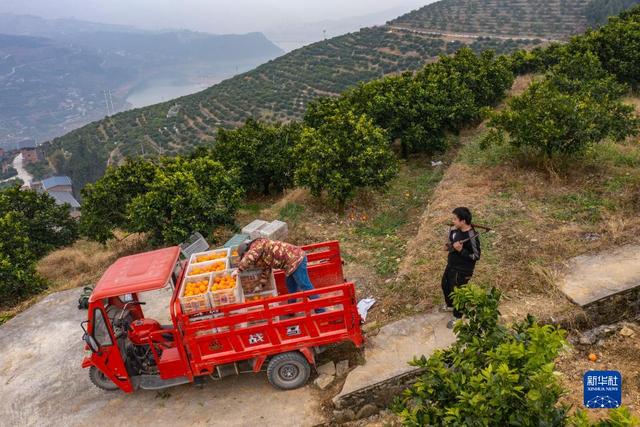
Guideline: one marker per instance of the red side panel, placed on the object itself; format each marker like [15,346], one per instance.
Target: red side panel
[324,266]
[273,326]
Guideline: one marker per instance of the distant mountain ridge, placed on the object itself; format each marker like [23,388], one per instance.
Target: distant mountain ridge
[44,94]
[280,89]
[29,25]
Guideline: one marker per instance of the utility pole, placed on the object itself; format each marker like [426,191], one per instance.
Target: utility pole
[106,102]
[113,110]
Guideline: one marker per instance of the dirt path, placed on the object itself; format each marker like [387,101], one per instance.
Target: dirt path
[470,35]
[25,176]
[43,384]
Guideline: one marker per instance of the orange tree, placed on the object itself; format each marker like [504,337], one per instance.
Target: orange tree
[346,152]
[18,277]
[575,106]
[46,224]
[261,152]
[493,374]
[31,225]
[185,196]
[617,45]
[105,203]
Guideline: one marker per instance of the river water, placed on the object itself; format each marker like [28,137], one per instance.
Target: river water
[155,91]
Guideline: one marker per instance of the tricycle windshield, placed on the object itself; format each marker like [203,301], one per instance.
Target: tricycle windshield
[100,330]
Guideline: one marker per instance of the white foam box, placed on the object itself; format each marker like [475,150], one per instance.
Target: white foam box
[276,230]
[196,269]
[253,228]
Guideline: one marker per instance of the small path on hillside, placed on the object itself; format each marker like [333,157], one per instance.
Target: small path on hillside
[469,35]
[25,176]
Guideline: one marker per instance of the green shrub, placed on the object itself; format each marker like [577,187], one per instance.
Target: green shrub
[575,106]
[492,375]
[185,196]
[345,153]
[262,153]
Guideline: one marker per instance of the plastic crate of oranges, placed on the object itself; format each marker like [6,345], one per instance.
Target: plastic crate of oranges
[195,294]
[218,254]
[225,289]
[207,267]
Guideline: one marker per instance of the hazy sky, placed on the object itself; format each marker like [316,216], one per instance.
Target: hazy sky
[215,16]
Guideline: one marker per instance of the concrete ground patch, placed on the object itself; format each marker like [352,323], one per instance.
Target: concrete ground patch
[388,352]
[591,278]
[43,384]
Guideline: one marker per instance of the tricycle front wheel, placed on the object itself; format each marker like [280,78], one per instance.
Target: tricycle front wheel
[100,380]
[287,371]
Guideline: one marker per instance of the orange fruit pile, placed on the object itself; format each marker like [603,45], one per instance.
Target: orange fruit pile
[223,282]
[256,298]
[211,257]
[196,288]
[217,266]
[234,253]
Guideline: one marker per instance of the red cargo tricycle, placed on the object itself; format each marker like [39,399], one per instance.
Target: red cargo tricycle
[281,333]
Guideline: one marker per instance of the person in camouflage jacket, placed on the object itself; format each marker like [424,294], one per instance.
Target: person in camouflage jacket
[268,254]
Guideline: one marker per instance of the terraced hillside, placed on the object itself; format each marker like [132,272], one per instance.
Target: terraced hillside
[542,18]
[282,88]
[277,90]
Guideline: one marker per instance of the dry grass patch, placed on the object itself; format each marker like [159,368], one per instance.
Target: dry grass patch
[79,265]
[84,262]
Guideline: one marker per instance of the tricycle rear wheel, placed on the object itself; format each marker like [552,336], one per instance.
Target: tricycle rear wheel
[288,371]
[100,380]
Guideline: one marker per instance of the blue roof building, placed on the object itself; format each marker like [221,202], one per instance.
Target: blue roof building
[56,181]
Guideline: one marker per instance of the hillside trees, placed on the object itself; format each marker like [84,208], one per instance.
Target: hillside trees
[31,225]
[598,11]
[616,45]
[262,154]
[419,109]
[169,199]
[185,196]
[576,105]
[343,154]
